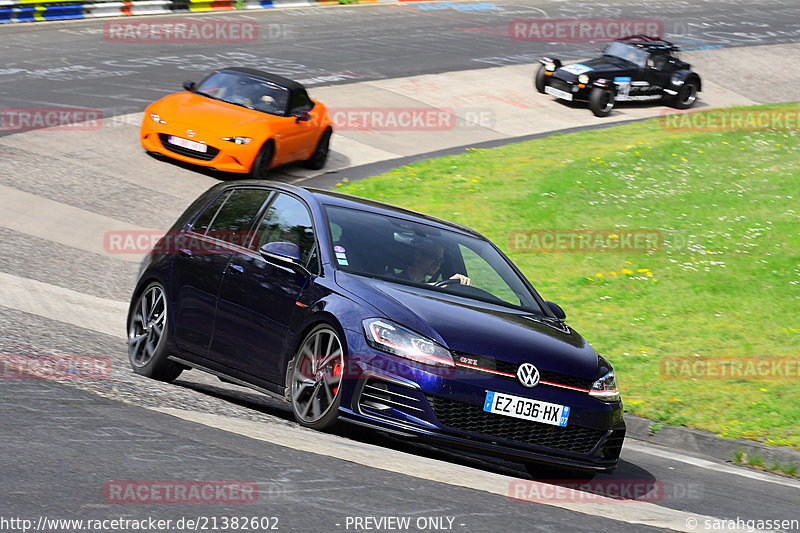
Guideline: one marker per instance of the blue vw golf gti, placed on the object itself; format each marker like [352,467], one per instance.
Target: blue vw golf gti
[355,310]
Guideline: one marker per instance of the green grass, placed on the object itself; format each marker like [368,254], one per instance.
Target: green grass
[726,284]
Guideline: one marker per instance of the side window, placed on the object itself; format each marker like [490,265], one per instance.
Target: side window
[659,61]
[235,218]
[300,101]
[202,222]
[287,220]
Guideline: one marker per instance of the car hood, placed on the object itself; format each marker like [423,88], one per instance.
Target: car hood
[594,68]
[206,114]
[474,327]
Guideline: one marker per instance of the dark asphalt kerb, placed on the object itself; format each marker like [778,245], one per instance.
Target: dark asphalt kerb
[329,180]
[687,440]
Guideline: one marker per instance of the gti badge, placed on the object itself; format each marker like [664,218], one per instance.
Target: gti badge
[528,375]
[190,133]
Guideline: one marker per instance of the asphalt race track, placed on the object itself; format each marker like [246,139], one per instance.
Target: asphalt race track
[64,292]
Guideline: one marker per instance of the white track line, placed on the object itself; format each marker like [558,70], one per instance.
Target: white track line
[710,465]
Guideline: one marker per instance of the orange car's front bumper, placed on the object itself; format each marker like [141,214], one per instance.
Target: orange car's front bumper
[230,157]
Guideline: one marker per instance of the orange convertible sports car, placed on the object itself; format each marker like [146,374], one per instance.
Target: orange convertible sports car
[239,120]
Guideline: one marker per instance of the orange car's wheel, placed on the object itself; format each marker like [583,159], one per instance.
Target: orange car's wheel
[320,155]
[263,160]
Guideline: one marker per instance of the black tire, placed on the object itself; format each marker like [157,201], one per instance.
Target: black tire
[320,155]
[687,95]
[601,101]
[539,80]
[315,377]
[148,335]
[547,472]
[263,160]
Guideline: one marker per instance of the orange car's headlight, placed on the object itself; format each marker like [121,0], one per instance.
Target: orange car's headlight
[238,140]
[155,117]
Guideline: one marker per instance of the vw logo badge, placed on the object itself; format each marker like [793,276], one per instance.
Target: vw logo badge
[528,375]
[190,133]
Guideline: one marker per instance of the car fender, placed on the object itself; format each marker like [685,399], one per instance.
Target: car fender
[679,77]
[605,83]
[556,62]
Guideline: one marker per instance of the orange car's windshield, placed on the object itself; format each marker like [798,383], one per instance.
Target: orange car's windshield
[252,93]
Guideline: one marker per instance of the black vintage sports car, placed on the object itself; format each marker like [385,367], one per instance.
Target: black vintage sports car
[635,68]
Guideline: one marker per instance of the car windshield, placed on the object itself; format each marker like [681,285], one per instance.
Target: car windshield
[252,93]
[415,253]
[633,54]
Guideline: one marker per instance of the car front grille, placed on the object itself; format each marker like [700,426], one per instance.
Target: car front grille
[561,85]
[203,156]
[466,417]
[544,375]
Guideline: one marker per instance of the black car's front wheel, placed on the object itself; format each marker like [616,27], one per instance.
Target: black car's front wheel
[687,95]
[539,80]
[601,101]
[315,379]
[148,335]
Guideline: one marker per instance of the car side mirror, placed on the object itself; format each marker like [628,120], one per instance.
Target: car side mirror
[302,116]
[189,85]
[285,254]
[556,310]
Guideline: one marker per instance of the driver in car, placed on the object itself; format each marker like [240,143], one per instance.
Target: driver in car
[427,262]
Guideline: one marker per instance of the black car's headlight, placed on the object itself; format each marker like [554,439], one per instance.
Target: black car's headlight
[155,117]
[606,388]
[389,337]
[583,78]
[238,140]
[550,66]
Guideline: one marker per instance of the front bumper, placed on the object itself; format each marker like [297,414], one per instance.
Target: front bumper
[578,93]
[446,406]
[220,155]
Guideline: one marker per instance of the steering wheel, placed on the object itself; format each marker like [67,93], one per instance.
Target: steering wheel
[446,282]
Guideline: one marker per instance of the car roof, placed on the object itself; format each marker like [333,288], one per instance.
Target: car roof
[648,42]
[280,80]
[337,199]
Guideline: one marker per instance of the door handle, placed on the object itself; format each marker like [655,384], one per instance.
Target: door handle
[185,251]
[236,268]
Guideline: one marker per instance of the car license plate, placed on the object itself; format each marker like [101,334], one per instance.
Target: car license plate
[525,408]
[558,93]
[186,143]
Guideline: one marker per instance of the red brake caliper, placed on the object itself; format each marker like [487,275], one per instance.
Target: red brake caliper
[337,371]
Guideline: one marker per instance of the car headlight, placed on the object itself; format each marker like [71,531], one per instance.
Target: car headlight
[583,78]
[550,66]
[155,117]
[238,140]
[389,337]
[605,388]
